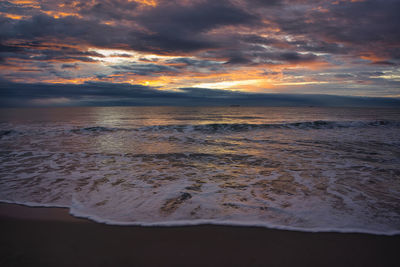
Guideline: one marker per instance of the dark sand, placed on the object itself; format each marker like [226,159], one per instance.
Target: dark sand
[51,237]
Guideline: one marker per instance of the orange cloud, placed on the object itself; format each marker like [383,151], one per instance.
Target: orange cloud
[13,16]
[372,57]
[27,3]
[147,2]
[59,14]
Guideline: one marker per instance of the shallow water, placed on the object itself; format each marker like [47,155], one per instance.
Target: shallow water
[312,169]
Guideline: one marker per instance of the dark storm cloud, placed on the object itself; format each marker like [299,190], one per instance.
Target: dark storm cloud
[184,28]
[108,9]
[165,43]
[344,75]
[9,49]
[368,24]
[167,28]
[44,27]
[70,66]
[171,27]
[320,46]
[295,57]
[184,63]
[36,51]
[198,17]
[267,57]
[144,69]
[256,39]
[367,21]
[385,63]
[174,27]
[239,59]
[111,94]
[94,89]
[8,7]
[266,3]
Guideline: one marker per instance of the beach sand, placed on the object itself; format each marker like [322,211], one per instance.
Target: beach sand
[51,237]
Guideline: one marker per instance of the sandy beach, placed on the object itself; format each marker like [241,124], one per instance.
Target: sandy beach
[51,237]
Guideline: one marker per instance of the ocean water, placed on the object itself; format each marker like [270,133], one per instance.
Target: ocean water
[309,169]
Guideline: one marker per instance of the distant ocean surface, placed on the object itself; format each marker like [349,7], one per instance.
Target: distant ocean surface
[309,169]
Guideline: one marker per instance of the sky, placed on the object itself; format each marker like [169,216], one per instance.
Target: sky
[143,52]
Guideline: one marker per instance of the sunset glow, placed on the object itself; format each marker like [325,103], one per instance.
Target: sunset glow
[348,48]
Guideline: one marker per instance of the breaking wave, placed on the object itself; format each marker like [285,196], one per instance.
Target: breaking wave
[238,127]
[218,127]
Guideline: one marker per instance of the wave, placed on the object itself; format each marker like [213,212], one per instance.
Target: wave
[97,129]
[263,224]
[238,127]
[74,211]
[5,133]
[214,127]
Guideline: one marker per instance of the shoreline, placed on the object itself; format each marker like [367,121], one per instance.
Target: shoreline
[61,213]
[34,236]
[33,213]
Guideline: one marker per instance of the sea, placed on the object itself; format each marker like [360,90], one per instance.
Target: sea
[302,168]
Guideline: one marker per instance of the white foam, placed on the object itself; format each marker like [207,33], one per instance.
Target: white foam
[196,222]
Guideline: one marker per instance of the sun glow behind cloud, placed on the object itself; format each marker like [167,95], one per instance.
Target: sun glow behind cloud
[233,85]
[116,56]
[255,46]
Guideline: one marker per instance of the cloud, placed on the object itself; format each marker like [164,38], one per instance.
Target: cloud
[198,17]
[46,28]
[55,54]
[108,9]
[144,69]
[196,65]
[70,66]
[365,25]
[112,94]
[205,42]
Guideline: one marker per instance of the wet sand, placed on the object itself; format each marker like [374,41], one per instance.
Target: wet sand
[51,237]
